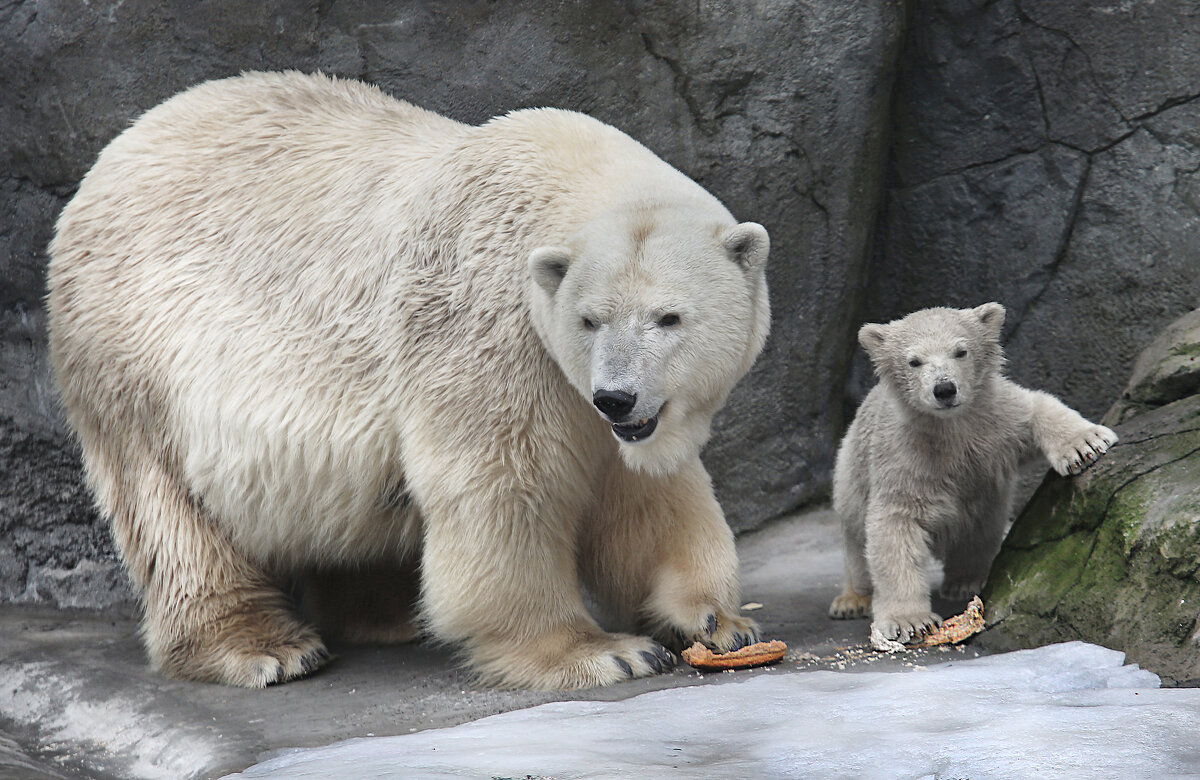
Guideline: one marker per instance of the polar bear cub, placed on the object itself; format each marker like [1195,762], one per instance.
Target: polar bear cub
[929,464]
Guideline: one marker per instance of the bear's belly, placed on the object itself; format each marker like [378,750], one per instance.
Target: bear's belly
[288,498]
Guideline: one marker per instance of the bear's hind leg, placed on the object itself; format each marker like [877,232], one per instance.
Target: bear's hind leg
[855,599]
[209,613]
[659,552]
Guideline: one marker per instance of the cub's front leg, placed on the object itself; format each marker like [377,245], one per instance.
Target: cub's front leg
[659,554]
[897,551]
[1069,441]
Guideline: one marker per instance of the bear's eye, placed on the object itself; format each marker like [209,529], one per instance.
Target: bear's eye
[960,353]
[914,362]
[668,320]
[589,324]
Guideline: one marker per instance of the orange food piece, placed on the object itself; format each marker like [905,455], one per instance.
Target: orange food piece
[758,654]
[955,629]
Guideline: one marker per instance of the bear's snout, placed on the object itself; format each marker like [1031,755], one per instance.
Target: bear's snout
[614,404]
[946,392]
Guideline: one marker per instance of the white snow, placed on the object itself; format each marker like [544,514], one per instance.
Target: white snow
[1068,710]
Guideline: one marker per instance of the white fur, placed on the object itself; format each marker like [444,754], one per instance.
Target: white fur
[291,324]
[917,475]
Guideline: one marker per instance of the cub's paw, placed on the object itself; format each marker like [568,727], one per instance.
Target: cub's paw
[570,658]
[850,604]
[1082,450]
[250,649]
[961,590]
[905,626]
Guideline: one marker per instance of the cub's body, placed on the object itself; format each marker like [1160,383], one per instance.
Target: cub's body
[930,463]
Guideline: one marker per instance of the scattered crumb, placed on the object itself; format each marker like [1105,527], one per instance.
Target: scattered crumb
[750,606]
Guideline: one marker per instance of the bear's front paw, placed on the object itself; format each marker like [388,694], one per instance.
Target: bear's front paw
[1082,450]
[850,604]
[717,629]
[571,658]
[905,626]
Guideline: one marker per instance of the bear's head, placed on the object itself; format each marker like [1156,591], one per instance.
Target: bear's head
[653,314]
[938,360]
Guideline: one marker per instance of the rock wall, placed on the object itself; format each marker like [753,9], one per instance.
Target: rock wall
[1047,155]
[901,152]
[1113,556]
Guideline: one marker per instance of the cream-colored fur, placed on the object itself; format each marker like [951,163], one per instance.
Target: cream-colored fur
[298,324]
[930,462]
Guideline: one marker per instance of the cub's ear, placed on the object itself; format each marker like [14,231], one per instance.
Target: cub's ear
[548,265]
[991,315]
[872,338]
[748,244]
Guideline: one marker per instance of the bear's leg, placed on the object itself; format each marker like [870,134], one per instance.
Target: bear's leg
[897,551]
[658,552]
[209,613]
[374,603]
[499,575]
[1065,437]
[968,552]
[855,599]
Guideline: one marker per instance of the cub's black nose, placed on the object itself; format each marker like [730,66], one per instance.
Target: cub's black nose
[615,404]
[945,391]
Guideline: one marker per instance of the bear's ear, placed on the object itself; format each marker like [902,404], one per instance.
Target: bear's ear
[872,338]
[991,315]
[748,244]
[548,265]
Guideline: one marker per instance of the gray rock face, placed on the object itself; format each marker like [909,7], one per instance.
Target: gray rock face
[1113,556]
[1047,156]
[779,109]
[1165,371]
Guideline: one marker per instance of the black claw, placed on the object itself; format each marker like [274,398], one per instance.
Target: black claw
[665,657]
[652,660]
[625,667]
[712,624]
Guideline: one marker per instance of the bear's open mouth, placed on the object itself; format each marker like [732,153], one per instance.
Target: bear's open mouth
[637,430]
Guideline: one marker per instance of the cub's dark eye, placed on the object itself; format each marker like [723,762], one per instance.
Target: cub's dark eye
[960,353]
[589,324]
[668,321]
[914,362]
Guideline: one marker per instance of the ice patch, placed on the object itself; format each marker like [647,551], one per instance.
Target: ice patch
[1068,710]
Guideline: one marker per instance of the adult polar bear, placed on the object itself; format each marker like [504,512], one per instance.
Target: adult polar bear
[299,324]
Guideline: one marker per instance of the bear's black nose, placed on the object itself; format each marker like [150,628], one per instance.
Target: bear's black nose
[945,391]
[615,404]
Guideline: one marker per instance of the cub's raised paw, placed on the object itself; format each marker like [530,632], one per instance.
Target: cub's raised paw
[1081,451]
[905,626]
[850,604]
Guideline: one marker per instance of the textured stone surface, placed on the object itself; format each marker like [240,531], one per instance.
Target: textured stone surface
[780,109]
[1046,156]
[1165,371]
[1112,556]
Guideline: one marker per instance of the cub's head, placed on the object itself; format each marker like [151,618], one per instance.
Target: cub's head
[938,360]
[654,314]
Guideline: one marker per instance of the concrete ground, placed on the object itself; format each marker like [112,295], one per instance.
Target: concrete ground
[77,698]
